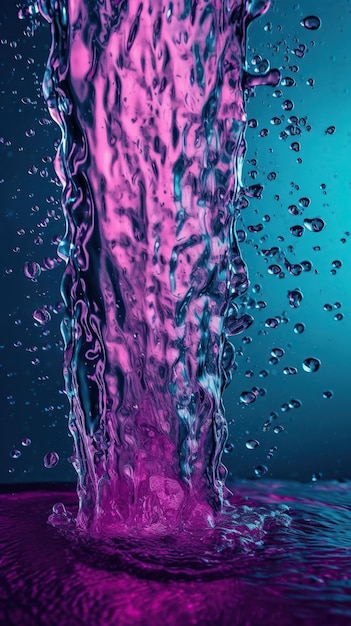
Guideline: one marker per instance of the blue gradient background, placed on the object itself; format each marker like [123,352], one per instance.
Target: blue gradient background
[316,436]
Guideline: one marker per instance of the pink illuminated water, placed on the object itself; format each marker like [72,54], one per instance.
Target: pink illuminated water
[150,98]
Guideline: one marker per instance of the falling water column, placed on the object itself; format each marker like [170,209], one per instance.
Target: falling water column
[149,98]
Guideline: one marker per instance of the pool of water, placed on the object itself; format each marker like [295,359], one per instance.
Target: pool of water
[282,556]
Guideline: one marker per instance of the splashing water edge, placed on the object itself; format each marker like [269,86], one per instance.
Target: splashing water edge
[150,100]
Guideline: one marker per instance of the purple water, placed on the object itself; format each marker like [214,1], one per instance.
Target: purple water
[297,573]
[150,101]
[150,98]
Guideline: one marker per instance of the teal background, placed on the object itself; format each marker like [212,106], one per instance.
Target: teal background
[317,436]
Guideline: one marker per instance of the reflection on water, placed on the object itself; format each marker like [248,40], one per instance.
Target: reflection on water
[297,569]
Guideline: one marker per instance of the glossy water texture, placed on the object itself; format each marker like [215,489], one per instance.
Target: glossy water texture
[297,573]
[150,100]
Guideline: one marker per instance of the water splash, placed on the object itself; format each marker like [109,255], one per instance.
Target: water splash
[150,99]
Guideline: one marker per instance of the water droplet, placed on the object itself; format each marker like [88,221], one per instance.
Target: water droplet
[304,202]
[260,470]
[306,266]
[328,307]
[278,429]
[327,394]
[295,404]
[31,270]
[315,224]
[251,444]
[311,365]
[287,81]
[263,374]
[295,298]
[247,397]
[312,22]
[51,459]
[317,476]
[26,442]
[287,105]
[271,322]
[293,210]
[297,230]
[274,269]
[338,317]
[15,454]
[229,447]
[289,371]
[277,352]
[336,264]
[330,130]
[42,316]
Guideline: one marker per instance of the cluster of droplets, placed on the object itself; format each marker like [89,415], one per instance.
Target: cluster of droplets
[36,240]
